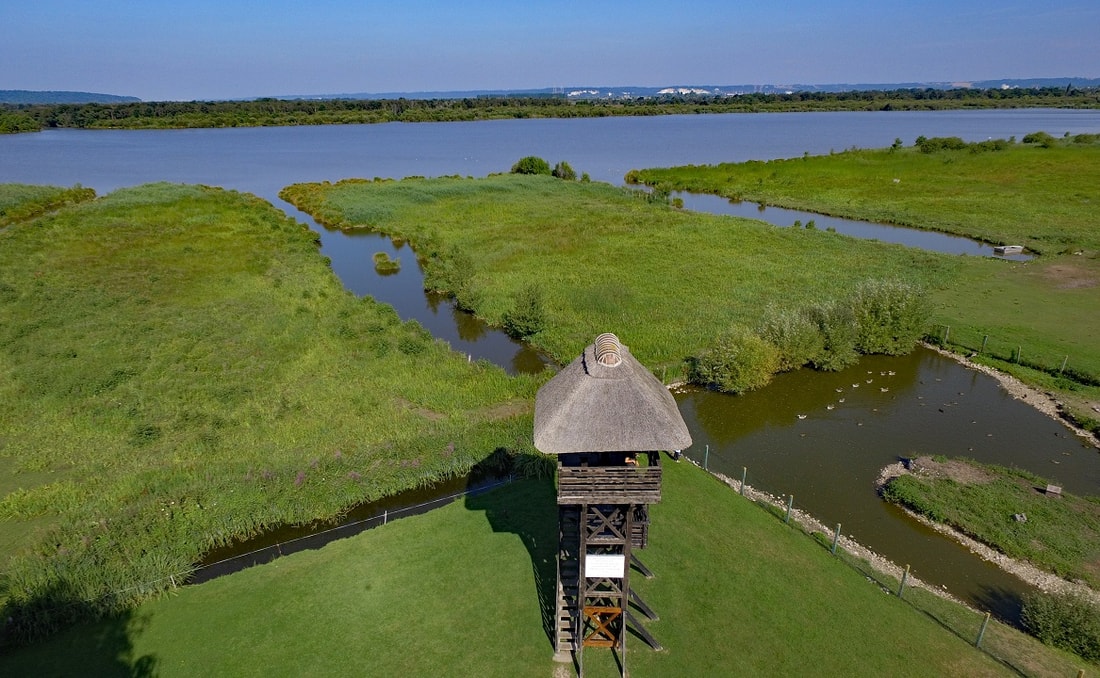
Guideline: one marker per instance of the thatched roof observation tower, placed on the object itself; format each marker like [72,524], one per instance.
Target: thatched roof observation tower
[606,401]
[597,415]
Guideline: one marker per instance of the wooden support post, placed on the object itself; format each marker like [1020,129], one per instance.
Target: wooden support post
[984,340]
[744,474]
[641,631]
[1063,367]
[904,578]
[646,572]
[706,457]
[790,503]
[1019,352]
[981,633]
[946,334]
[836,538]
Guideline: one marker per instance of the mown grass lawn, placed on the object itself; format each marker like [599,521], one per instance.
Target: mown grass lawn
[456,593]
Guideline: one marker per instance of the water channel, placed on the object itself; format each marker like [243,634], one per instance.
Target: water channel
[891,408]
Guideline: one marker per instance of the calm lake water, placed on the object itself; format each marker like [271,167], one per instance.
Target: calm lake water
[828,460]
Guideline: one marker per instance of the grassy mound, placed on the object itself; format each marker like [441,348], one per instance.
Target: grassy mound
[737,593]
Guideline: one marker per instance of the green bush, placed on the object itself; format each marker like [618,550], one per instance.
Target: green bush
[891,316]
[527,316]
[562,170]
[1041,138]
[384,265]
[795,334]
[839,332]
[1067,621]
[934,144]
[740,361]
[531,165]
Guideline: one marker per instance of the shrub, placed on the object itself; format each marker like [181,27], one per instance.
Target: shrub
[890,316]
[562,170]
[795,334]
[531,165]
[934,144]
[1067,621]
[1041,138]
[527,317]
[839,332]
[740,361]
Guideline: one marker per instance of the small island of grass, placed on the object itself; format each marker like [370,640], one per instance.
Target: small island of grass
[385,265]
[1030,520]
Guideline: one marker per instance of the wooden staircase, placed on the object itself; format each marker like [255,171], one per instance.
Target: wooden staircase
[566,617]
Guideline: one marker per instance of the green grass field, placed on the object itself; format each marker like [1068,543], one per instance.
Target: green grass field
[456,593]
[667,281]
[1046,310]
[179,368]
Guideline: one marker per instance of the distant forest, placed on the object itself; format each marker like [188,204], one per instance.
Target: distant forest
[275,112]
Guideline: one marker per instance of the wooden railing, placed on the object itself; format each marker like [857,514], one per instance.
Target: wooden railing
[609,485]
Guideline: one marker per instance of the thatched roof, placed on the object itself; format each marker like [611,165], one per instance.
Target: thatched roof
[606,401]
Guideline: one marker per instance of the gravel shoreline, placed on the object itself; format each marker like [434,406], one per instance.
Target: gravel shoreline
[1040,579]
[809,524]
[1043,401]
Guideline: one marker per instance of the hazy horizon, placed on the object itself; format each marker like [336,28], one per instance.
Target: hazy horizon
[246,49]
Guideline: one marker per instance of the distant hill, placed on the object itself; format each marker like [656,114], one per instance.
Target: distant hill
[631,91]
[23,96]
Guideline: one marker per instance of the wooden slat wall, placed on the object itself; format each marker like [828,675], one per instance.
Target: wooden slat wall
[609,485]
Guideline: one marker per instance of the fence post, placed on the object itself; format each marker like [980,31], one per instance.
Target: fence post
[744,473]
[790,503]
[981,632]
[385,516]
[836,538]
[706,458]
[984,339]
[1063,367]
[1019,352]
[946,333]
[904,578]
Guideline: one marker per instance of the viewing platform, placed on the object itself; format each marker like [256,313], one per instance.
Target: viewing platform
[609,484]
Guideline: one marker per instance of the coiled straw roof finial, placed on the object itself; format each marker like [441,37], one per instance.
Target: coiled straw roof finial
[607,350]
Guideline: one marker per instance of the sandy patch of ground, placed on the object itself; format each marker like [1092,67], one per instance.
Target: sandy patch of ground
[1069,277]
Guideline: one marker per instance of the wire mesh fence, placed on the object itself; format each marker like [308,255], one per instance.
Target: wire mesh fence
[975,342]
[1001,641]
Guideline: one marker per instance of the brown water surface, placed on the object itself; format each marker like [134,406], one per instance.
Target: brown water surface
[824,437]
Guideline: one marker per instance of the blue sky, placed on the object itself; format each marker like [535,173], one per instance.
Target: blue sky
[203,49]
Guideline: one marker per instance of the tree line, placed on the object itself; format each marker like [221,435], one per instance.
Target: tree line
[275,112]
